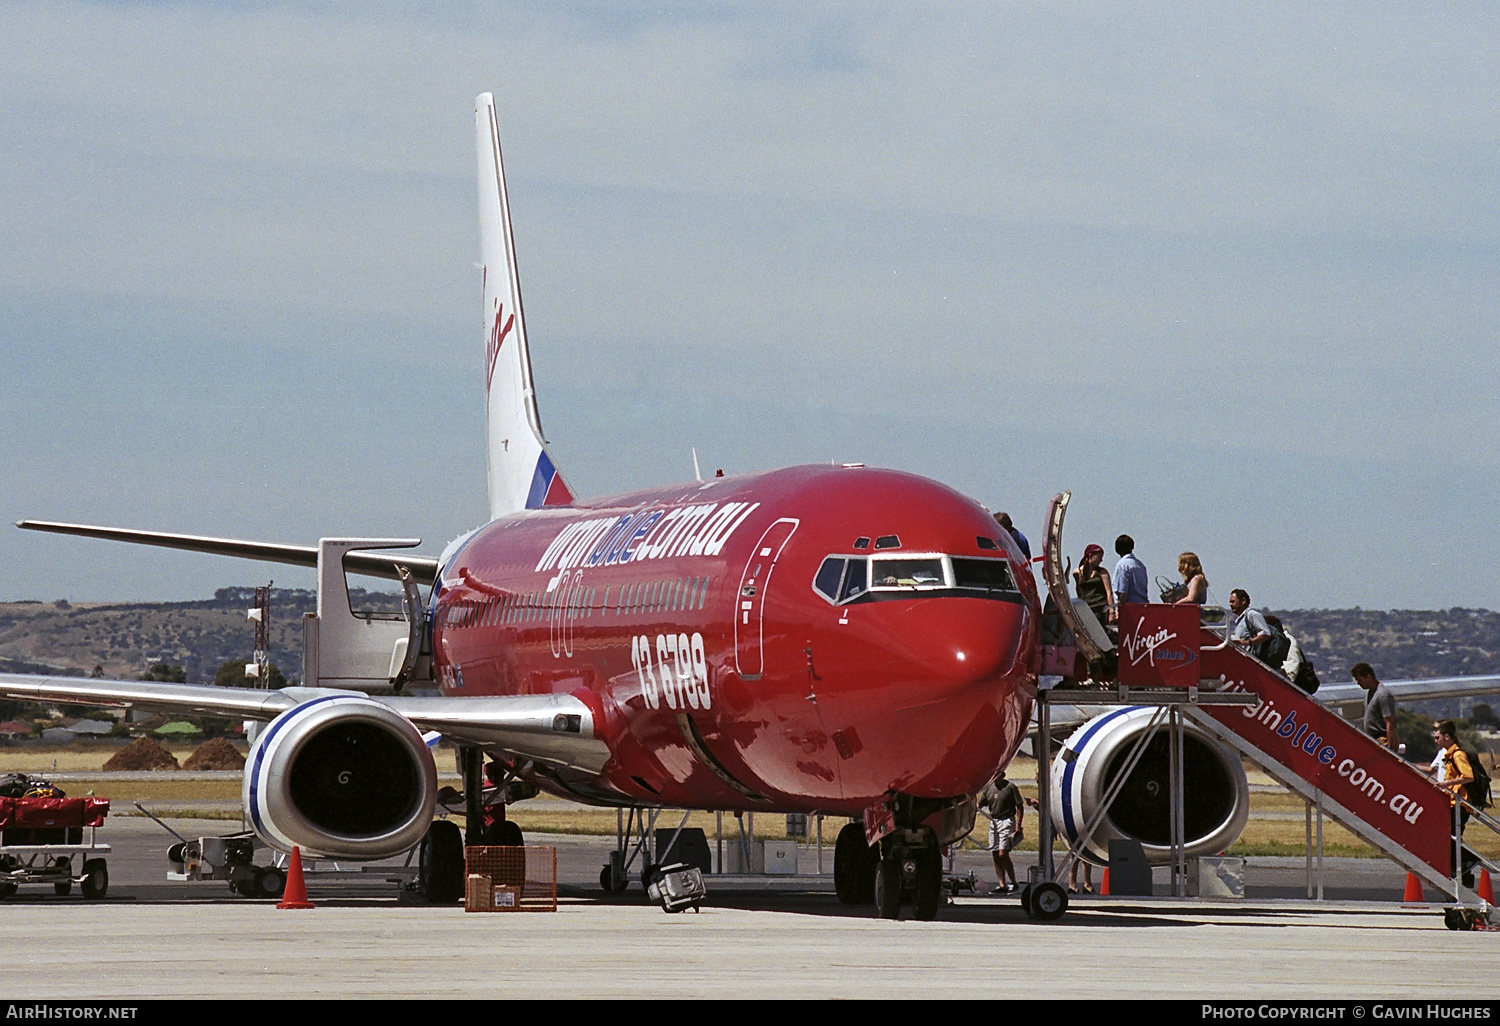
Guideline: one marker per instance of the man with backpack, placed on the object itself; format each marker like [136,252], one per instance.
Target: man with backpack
[1460,775]
[1249,630]
[1294,664]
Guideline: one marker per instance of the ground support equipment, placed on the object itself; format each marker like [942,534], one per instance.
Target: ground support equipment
[48,840]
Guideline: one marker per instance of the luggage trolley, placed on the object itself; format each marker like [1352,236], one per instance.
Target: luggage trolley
[53,840]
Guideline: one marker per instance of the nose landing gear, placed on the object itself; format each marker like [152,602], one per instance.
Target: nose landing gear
[904,866]
[854,866]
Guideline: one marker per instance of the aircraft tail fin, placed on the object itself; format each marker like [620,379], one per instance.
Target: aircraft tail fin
[522,474]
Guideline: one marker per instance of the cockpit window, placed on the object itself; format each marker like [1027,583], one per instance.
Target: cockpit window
[842,579]
[989,574]
[888,541]
[919,572]
[856,581]
[829,575]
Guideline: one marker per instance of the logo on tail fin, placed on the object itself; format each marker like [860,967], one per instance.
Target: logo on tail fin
[496,340]
[547,487]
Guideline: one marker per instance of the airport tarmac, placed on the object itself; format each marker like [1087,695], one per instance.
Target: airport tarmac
[786,938]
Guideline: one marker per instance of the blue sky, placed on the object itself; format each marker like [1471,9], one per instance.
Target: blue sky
[1228,273]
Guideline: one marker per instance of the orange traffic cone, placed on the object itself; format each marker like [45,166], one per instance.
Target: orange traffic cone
[1104,882]
[1486,889]
[295,895]
[1413,895]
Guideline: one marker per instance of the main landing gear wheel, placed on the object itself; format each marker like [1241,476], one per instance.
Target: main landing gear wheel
[268,883]
[928,893]
[1046,901]
[888,888]
[504,834]
[854,864]
[1026,900]
[440,864]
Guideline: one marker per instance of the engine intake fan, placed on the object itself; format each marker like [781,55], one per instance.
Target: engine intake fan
[341,776]
[1216,795]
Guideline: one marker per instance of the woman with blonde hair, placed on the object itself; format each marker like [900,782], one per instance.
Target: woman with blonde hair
[1191,571]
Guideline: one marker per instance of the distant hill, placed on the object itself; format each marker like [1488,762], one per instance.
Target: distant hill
[125,639]
[1398,643]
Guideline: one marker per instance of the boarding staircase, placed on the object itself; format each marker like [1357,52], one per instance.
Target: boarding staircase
[1334,765]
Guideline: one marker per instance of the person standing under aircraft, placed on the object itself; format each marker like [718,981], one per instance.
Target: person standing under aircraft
[1086,869]
[1380,706]
[1003,804]
[1129,578]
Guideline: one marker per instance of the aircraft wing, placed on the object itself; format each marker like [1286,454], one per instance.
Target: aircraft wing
[1347,699]
[183,699]
[370,563]
[1346,695]
[556,729]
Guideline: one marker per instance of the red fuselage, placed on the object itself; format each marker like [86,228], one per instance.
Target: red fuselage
[810,639]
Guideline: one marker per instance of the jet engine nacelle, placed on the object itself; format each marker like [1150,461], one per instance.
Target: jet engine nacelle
[341,776]
[1216,796]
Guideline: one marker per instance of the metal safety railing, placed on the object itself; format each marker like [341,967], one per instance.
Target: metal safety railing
[1465,858]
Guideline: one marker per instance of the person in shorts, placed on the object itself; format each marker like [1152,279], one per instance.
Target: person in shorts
[1003,804]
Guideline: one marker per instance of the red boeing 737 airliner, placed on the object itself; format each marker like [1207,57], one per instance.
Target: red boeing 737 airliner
[811,639]
[817,639]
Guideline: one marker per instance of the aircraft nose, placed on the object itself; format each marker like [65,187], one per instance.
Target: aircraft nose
[955,701]
[968,642]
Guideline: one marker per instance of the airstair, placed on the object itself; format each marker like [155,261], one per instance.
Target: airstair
[1335,766]
[1167,652]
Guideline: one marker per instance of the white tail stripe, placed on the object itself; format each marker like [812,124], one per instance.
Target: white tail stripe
[522,475]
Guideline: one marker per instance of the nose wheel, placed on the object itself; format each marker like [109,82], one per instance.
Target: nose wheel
[909,873]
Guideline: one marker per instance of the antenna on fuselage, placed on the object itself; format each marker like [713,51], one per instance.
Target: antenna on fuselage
[697,474]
